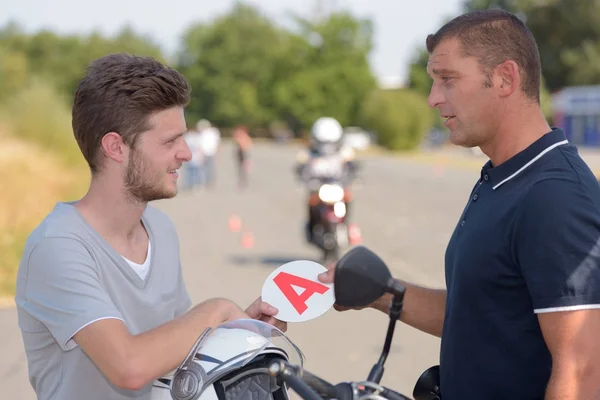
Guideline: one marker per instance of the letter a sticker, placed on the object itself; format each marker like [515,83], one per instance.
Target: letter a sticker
[296,292]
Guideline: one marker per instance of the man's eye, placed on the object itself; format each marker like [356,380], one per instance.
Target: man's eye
[445,79]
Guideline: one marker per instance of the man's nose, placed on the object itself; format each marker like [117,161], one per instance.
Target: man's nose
[186,153]
[435,96]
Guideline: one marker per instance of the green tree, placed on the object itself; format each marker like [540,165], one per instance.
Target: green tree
[334,75]
[399,118]
[418,79]
[229,64]
[245,69]
[61,60]
[567,33]
[14,72]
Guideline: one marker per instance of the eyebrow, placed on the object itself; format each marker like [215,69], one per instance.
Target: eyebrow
[175,136]
[443,71]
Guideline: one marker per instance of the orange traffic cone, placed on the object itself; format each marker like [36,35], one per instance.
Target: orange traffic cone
[248,240]
[354,234]
[235,223]
[439,168]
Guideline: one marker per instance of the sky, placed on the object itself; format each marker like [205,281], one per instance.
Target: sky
[399,28]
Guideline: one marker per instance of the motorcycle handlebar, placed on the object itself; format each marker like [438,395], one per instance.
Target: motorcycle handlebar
[322,387]
[393,395]
[305,391]
[311,387]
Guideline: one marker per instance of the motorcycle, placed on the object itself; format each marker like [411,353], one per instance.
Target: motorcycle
[361,277]
[328,200]
[328,207]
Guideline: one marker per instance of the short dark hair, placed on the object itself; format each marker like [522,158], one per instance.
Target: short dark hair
[493,36]
[117,94]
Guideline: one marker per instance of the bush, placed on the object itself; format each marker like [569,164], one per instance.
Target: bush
[32,180]
[39,115]
[399,118]
[40,164]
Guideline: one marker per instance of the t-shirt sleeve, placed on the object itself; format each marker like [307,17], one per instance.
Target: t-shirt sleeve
[557,246]
[63,290]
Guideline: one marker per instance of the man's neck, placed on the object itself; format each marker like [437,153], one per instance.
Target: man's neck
[518,129]
[107,209]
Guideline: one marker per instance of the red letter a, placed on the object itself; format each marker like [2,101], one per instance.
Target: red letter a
[284,282]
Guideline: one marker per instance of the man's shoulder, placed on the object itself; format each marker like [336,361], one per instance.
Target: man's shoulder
[565,168]
[61,222]
[566,187]
[58,239]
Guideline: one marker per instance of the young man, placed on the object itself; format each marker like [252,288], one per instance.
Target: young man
[102,305]
[521,314]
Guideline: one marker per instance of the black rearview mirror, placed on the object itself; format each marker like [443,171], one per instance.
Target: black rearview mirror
[428,385]
[361,277]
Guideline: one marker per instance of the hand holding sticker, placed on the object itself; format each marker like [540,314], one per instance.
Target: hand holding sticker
[297,293]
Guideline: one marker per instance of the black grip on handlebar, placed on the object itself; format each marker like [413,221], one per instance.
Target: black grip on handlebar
[392,395]
[300,387]
[323,388]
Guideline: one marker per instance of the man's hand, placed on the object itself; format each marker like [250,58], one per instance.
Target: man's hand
[265,312]
[328,276]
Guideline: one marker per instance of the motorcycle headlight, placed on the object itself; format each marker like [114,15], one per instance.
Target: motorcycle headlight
[331,193]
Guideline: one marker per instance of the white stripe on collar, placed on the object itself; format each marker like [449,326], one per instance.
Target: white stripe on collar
[534,159]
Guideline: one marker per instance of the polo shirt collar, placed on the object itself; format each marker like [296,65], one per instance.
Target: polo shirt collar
[514,166]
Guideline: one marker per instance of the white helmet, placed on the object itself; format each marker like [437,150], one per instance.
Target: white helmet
[327,130]
[231,362]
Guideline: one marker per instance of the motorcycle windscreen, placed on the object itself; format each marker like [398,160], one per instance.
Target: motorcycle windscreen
[237,352]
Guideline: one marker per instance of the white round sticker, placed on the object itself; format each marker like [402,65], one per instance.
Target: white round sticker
[297,293]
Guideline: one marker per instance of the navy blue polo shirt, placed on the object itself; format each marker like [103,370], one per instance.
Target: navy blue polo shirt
[526,243]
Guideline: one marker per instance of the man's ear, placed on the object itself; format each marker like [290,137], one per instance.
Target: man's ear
[114,147]
[507,78]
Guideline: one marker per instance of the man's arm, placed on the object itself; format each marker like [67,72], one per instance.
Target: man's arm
[132,361]
[572,338]
[423,308]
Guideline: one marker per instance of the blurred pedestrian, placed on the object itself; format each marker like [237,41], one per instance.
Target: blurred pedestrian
[192,169]
[243,144]
[209,143]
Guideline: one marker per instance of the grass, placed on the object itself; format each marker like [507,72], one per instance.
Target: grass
[31,181]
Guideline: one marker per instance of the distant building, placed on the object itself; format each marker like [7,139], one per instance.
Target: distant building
[576,109]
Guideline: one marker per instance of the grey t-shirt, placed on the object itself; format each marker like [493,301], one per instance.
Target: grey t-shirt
[69,277]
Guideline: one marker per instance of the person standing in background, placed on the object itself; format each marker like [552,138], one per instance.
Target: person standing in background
[243,143]
[209,142]
[193,167]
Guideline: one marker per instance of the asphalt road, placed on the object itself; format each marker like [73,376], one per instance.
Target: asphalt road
[405,208]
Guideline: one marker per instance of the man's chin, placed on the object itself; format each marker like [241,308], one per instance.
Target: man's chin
[460,140]
[457,140]
[158,195]
[163,196]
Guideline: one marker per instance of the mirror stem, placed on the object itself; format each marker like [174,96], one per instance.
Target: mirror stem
[395,310]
